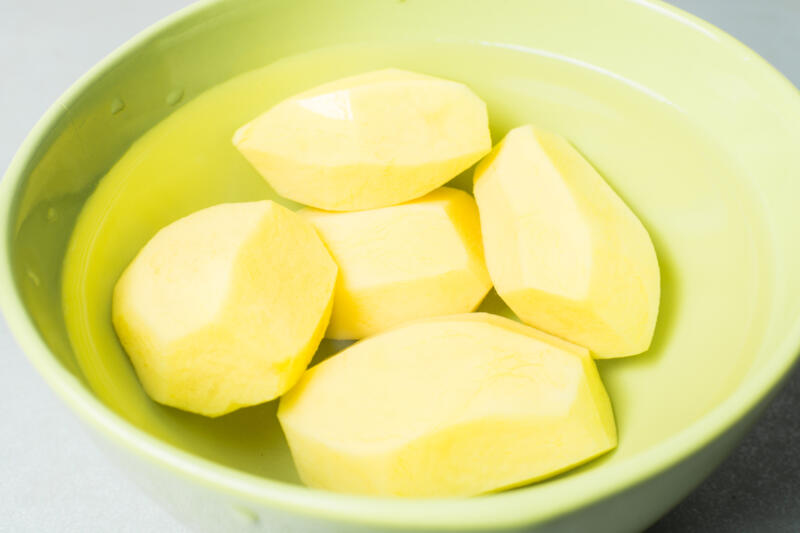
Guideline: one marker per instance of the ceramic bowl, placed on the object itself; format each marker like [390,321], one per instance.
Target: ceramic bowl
[696,132]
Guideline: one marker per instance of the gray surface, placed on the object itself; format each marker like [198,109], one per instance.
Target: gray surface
[52,477]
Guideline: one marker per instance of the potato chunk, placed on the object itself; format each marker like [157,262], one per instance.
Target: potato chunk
[448,406]
[563,250]
[419,259]
[372,140]
[224,308]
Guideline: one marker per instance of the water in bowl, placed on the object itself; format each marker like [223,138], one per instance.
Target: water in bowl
[709,241]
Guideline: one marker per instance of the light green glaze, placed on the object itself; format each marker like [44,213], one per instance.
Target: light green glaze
[693,130]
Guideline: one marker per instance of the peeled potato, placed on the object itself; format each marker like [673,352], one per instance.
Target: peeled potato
[418,259]
[563,250]
[449,406]
[372,140]
[224,308]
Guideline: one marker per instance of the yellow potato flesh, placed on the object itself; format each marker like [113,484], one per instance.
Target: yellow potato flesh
[372,140]
[563,250]
[225,308]
[419,259]
[448,406]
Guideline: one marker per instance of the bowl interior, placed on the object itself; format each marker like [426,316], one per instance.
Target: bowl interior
[691,130]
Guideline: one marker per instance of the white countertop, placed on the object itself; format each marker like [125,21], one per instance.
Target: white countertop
[52,478]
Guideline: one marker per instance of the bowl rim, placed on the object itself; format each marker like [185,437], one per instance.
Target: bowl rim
[463,513]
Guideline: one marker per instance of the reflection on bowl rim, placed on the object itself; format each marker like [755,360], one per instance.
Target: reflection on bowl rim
[507,509]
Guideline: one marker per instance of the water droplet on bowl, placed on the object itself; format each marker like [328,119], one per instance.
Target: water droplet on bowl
[52,214]
[33,277]
[244,515]
[117,105]
[174,96]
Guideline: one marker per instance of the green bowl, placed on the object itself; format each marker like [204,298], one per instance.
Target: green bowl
[694,130]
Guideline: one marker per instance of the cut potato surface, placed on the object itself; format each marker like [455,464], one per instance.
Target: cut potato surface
[224,308]
[372,140]
[563,250]
[396,264]
[447,406]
